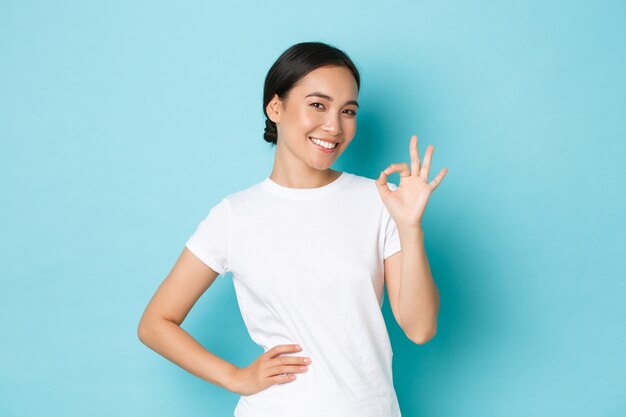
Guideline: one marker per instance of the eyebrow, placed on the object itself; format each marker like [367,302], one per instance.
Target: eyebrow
[329,98]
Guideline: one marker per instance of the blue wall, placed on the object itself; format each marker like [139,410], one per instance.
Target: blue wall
[122,122]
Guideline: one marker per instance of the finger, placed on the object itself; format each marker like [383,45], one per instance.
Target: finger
[293,360]
[435,183]
[282,379]
[286,369]
[427,158]
[401,167]
[415,157]
[381,181]
[280,349]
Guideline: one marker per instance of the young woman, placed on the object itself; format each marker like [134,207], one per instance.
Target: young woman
[310,250]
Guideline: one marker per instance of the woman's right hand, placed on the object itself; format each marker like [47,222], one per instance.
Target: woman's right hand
[269,369]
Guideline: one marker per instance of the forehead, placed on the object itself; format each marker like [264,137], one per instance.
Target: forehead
[337,82]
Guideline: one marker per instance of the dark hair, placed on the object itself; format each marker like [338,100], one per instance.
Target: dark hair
[292,65]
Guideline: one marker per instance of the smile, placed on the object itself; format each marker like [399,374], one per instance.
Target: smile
[323,145]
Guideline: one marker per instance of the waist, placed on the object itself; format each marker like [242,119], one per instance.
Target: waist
[316,393]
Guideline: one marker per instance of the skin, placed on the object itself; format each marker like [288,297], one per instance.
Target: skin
[413,295]
[297,164]
[297,161]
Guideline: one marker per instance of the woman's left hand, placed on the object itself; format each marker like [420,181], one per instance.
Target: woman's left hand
[407,203]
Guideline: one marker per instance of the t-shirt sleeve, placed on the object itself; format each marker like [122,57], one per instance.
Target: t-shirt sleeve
[392,239]
[211,240]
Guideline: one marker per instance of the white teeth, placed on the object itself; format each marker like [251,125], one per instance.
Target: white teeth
[327,145]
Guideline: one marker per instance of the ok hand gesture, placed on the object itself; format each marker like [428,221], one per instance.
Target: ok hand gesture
[407,204]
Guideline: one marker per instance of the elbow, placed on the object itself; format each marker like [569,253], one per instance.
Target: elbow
[150,328]
[421,338]
[146,330]
[142,332]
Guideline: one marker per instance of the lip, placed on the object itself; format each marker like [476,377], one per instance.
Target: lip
[321,148]
[325,139]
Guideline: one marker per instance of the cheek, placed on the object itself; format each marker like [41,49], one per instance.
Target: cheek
[309,118]
[349,125]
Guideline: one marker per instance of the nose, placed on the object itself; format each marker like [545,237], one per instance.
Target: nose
[333,124]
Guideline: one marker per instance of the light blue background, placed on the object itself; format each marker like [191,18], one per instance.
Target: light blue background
[122,123]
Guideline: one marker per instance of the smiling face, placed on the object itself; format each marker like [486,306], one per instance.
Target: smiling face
[321,105]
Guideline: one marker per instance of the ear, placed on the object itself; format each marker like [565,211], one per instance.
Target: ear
[274,108]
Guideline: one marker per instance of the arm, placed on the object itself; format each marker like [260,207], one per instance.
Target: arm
[410,283]
[413,295]
[159,327]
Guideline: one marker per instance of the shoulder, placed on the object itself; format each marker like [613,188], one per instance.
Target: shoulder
[246,198]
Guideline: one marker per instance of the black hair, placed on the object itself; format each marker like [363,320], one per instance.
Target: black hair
[292,65]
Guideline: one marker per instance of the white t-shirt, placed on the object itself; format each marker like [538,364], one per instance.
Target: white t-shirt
[307,268]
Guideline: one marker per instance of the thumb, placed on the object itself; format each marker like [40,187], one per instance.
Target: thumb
[383,186]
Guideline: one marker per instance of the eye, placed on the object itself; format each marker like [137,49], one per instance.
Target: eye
[350,112]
